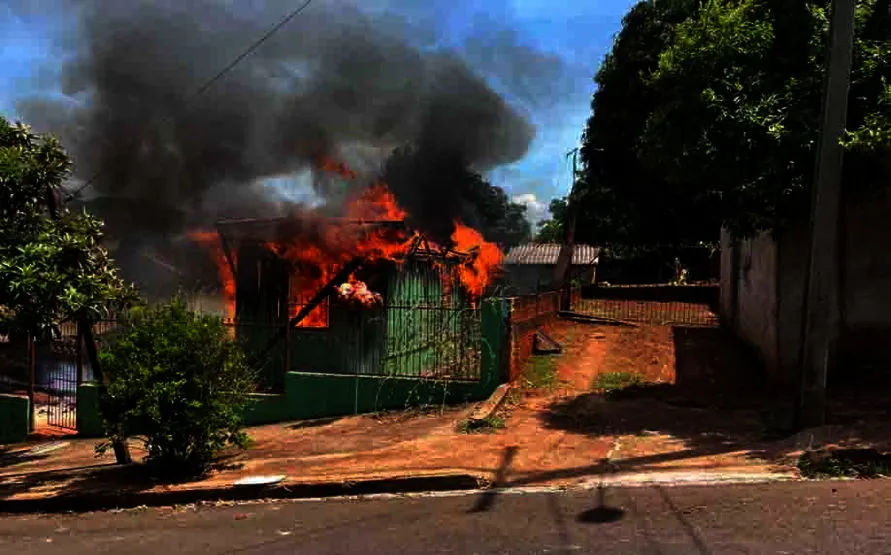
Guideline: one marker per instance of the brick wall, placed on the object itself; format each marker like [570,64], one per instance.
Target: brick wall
[527,314]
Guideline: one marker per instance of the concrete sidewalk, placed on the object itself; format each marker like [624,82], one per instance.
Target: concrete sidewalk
[361,455]
[564,434]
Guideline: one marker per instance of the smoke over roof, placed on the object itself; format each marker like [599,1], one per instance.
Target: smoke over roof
[334,82]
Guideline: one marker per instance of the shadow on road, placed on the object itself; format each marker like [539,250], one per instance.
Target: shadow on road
[602,513]
[487,498]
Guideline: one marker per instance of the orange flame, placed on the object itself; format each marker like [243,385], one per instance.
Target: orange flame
[331,165]
[210,240]
[485,262]
[316,256]
[315,259]
[376,204]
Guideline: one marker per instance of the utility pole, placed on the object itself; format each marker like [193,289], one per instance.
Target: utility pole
[562,273]
[820,310]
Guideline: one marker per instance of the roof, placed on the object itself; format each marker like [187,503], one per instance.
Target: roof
[547,253]
[264,230]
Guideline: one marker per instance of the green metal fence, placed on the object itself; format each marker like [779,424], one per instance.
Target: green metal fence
[425,328]
[432,328]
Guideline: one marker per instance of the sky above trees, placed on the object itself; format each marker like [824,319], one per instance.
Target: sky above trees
[570,39]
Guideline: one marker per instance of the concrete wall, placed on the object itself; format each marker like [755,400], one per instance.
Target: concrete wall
[15,411]
[866,246]
[752,310]
[792,255]
[770,291]
[528,279]
[527,314]
[729,280]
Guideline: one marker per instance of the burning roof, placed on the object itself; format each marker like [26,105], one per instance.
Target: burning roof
[319,248]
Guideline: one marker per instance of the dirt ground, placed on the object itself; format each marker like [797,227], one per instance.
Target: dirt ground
[699,403]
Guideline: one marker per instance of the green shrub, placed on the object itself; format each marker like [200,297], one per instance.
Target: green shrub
[179,381]
[614,381]
[489,424]
[541,372]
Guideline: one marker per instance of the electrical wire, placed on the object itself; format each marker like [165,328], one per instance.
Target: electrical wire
[213,80]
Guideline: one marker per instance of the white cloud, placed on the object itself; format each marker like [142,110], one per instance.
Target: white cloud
[535,209]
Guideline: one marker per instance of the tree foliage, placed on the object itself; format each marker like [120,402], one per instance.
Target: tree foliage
[51,268]
[178,380]
[722,115]
[621,201]
[552,229]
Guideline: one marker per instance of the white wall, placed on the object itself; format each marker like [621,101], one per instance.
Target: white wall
[755,311]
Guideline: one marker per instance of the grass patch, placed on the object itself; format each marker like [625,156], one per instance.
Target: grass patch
[513,398]
[486,425]
[614,381]
[541,372]
[844,463]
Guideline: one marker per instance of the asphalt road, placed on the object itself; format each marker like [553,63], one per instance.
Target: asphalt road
[827,517]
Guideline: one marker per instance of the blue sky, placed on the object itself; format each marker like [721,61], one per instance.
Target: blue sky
[576,33]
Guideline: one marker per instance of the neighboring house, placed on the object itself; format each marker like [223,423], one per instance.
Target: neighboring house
[530,268]
[762,289]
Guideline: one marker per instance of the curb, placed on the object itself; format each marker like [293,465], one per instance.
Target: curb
[631,480]
[83,503]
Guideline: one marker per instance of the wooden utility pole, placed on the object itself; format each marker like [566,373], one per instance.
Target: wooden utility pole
[562,273]
[820,311]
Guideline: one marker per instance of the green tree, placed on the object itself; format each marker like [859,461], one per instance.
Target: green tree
[52,265]
[707,115]
[551,230]
[741,86]
[621,201]
[177,379]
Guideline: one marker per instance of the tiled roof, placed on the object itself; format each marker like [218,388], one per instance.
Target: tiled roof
[547,253]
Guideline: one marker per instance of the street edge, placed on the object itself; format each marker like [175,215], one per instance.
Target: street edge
[84,503]
[450,484]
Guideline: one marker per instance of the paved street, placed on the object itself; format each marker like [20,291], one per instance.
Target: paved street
[851,517]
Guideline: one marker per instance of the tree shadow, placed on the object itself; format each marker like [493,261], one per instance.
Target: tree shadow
[718,401]
[94,487]
[79,483]
[9,457]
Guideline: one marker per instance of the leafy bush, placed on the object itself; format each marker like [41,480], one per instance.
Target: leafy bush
[178,380]
[844,463]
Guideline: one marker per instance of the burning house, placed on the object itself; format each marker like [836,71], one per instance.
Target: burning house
[361,294]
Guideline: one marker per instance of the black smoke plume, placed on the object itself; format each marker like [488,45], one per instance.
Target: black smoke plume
[334,82]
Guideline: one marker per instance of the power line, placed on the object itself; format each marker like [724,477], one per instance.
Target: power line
[210,82]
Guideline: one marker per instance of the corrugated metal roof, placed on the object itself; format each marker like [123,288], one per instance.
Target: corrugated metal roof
[547,253]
